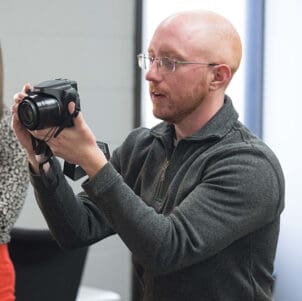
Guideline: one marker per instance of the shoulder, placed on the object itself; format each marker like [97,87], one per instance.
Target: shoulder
[134,150]
[138,139]
[250,164]
[138,134]
[244,148]
[246,154]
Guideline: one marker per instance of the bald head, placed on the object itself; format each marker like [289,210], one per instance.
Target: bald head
[205,34]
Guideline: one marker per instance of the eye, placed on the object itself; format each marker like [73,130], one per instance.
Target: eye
[168,63]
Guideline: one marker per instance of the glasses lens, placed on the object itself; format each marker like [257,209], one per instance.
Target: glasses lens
[143,61]
[167,63]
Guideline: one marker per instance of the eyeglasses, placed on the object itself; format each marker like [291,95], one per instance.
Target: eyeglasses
[166,63]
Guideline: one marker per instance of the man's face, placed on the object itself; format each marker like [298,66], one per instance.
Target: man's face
[176,95]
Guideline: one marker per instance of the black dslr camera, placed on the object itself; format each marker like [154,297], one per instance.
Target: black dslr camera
[46,106]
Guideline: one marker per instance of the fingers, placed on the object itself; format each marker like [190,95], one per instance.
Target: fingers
[14,118]
[71,107]
[79,119]
[44,134]
[27,88]
[18,97]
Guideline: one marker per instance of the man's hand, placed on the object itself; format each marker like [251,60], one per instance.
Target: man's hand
[22,134]
[77,145]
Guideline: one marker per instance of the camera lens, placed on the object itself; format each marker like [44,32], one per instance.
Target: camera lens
[39,112]
[28,114]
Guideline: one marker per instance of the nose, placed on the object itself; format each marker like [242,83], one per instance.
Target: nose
[153,74]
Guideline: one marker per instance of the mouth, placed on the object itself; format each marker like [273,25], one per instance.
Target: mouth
[157,95]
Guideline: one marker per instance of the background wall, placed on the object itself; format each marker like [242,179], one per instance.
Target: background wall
[282,131]
[91,42]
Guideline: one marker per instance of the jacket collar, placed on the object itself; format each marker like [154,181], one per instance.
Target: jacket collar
[217,127]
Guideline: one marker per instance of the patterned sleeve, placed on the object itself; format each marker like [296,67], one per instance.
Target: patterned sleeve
[13,177]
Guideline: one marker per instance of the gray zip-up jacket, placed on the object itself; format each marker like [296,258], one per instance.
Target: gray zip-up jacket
[201,218]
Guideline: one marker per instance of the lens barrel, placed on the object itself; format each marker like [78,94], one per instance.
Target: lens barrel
[39,112]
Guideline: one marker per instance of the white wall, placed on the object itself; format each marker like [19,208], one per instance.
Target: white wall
[91,42]
[282,131]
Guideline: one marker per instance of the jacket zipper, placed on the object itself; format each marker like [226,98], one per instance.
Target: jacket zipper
[159,190]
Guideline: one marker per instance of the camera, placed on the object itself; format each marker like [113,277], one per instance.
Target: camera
[46,105]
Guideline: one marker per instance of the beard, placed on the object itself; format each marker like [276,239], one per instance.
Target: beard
[176,104]
[178,109]
[176,113]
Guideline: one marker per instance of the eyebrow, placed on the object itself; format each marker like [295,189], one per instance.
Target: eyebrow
[170,54]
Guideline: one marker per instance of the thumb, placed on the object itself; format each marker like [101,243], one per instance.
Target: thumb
[78,119]
[71,107]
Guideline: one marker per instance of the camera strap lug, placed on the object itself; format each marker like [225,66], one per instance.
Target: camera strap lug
[41,149]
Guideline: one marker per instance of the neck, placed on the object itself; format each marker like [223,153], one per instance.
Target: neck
[198,118]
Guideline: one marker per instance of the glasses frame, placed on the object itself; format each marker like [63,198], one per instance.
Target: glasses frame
[159,60]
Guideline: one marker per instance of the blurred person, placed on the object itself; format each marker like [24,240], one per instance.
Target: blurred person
[197,199]
[13,186]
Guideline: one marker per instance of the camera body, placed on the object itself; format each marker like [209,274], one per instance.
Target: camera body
[46,105]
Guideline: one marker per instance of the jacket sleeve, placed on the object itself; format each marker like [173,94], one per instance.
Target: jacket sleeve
[238,193]
[73,219]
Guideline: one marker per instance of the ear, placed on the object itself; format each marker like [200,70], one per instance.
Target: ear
[222,75]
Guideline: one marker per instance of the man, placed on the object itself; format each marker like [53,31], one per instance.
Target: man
[197,199]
